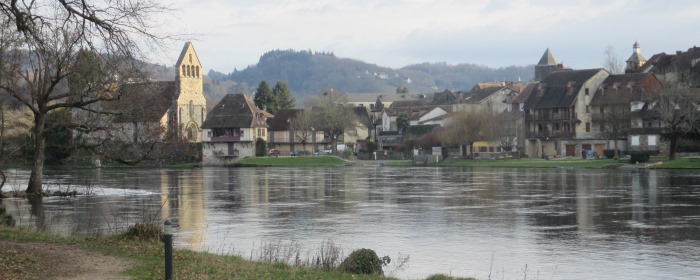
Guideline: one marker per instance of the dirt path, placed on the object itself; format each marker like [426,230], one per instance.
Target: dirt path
[28,260]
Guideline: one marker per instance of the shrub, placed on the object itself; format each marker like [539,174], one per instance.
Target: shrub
[6,219]
[609,153]
[148,232]
[362,261]
[260,147]
[636,157]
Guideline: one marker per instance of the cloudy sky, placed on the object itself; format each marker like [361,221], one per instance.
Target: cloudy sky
[235,33]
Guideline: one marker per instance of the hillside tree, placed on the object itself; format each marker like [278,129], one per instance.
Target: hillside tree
[38,43]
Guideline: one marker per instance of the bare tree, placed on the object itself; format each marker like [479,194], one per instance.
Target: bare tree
[330,113]
[677,110]
[38,43]
[505,131]
[467,127]
[615,122]
[301,125]
[612,62]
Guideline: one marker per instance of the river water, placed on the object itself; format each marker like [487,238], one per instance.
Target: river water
[471,222]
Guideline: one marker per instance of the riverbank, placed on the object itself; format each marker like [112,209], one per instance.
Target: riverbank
[26,254]
[331,161]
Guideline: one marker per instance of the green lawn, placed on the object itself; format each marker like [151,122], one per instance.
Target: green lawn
[330,161]
[681,163]
[530,163]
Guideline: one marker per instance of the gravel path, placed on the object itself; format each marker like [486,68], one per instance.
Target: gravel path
[30,260]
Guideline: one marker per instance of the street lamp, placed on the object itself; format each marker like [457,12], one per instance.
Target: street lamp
[313,141]
[291,136]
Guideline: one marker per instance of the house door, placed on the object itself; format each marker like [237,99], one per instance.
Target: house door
[599,149]
[570,150]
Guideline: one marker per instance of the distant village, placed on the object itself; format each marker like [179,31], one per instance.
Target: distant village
[562,113]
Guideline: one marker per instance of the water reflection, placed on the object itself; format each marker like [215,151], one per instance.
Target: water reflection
[639,224]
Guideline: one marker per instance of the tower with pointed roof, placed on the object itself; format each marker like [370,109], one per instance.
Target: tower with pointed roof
[190,105]
[546,66]
[636,60]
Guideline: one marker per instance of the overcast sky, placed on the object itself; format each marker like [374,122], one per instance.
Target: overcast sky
[395,33]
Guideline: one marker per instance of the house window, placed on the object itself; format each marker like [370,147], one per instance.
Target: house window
[184,70]
[602,109]
[556,126]
[196,69]
[651,140]
[586,91]
[588,108]
[522,107]
[635,140]
[588,127]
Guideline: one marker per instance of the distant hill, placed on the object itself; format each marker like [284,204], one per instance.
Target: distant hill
[307,73]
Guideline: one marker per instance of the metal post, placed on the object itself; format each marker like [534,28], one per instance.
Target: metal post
[168,240]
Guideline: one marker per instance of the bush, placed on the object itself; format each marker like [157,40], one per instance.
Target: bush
[148,232]
[6,219]
[636,157]
[362,261]
[260,147]
[609,153]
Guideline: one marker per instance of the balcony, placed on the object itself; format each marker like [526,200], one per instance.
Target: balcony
[226,138]
[551,134]
[550,117]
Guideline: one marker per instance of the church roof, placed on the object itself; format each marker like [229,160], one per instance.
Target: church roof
[235,111]
[547,58]
[636,57]
[184,52]
[143,102]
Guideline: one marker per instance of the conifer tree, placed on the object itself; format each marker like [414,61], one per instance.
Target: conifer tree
[283,97]
[263,96]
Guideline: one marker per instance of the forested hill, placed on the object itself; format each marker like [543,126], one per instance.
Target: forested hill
[308,73]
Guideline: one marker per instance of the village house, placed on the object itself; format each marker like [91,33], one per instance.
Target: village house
[679,70]
[231,129]
[290,133]
[622,103]
[558,114]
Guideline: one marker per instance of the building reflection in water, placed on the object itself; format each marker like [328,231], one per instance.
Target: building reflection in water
[184,202]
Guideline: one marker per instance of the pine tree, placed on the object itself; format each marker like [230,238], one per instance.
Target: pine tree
[263,96]
[283,97]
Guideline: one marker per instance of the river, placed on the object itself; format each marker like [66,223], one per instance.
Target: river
[470,222]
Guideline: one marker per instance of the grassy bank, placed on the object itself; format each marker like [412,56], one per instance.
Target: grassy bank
[146,259]
[656,163]
[329,161]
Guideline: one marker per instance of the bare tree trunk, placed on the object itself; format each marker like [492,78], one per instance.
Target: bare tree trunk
[672,148]
[34,186]
[617,153]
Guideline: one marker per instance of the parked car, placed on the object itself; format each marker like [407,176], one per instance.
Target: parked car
[274,153]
